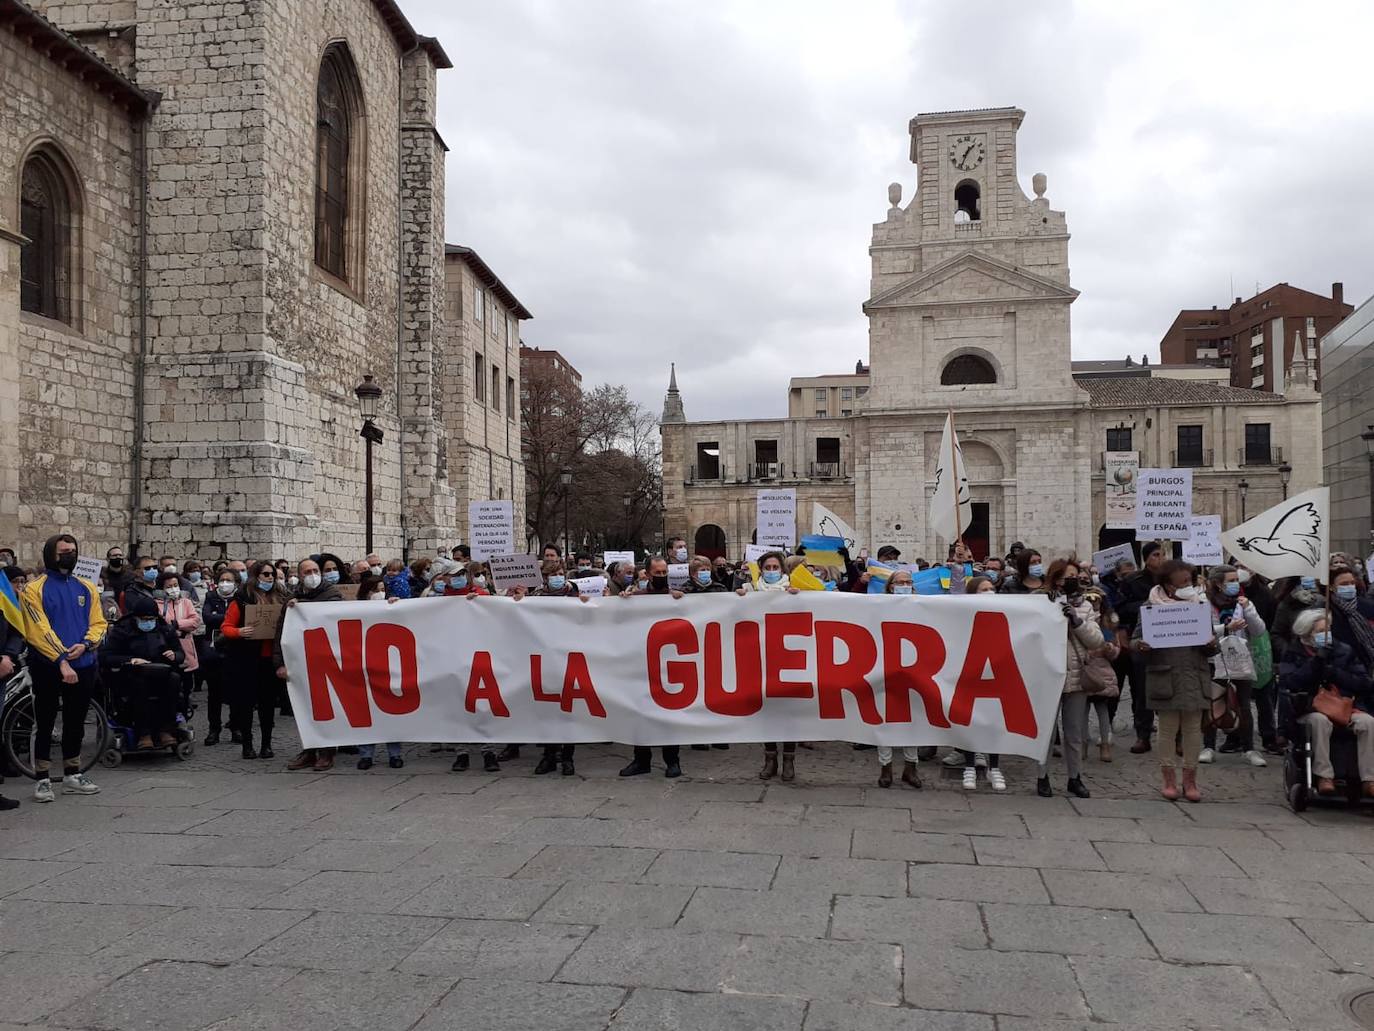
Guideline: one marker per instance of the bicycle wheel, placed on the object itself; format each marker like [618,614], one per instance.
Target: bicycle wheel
[17,730]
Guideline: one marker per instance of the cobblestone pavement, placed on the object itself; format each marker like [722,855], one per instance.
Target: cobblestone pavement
[219,893]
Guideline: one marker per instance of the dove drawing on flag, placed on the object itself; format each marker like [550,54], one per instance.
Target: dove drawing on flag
[1290,539]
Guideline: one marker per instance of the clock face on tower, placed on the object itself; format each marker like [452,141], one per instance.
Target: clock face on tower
[966,152]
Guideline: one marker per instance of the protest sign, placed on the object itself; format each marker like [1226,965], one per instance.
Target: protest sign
[1106,559]
[1121,469]
[88,569]
[678,575]
[1203,546]
[264,617]
[491,528]
[776,512]
[611,557]
[985,674]
[593,586]
[1176,626]
[510,571]
[1291,539]
[754,552]
[1164,504]
[349,592]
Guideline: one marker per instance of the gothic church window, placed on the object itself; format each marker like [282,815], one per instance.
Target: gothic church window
[967,369]
[46,220]
[340,144]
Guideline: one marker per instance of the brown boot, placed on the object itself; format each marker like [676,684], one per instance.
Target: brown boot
[324,760]
[1326,786]
[885,775]
[303,761]
[166,739]
[1368,788]
[1170,790]
[1190,791]
[1104,751]
[145,741]
[789,769]
[770,766]
[910,777]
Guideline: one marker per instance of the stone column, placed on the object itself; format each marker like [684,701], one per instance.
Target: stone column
[9,390]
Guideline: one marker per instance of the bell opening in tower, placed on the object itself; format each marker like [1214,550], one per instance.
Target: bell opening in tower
[967,198]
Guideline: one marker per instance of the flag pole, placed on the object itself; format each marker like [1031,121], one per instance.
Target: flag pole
[956,462]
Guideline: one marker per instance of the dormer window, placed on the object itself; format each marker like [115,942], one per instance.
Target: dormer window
[967,202]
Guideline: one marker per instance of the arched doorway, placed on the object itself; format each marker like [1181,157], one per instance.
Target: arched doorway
[710,541]
[1111,538]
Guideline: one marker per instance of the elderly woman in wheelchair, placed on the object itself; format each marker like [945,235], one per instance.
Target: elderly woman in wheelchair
[142,660]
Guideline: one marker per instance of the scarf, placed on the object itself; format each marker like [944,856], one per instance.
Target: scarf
[1364,633]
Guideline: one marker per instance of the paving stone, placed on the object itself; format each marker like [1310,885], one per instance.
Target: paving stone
[479,898]
[259,849]
[714,869]
[688,1011]
[1084,828]
[1350,945]
[326,1000]
[987,824]
[847,971]
[1355,839]
[852,816]
[366,856]
[340,941]
[242,823]
[869,918]
[570,830]
[1149,992]
[690,961]
[912,847]
[34,987]
[1067,930]
[1201,860]
[844,1016]
[216,993]
[134,848]
[1171,832]
[67,927]
[166,885]
[1245,896]
[1155,808]
[347,891]
[1311,999]
[794,913]
[1239,940]
[1276,816]
[1287,864]
[588,863]
[1063,855]
[493,859]
[520,1006]
[504,949]
[1137,891]
[850,876]
[616,905]
[1357,897]
[203,935]
[20,842]
[1024,983]
[751,814]
[917,801]
[18,874]
[977,883]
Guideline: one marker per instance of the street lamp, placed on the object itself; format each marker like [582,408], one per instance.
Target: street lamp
[565,477]
[1368,437]
[628,502]
[368,394]
[1244,487]
[1285,471]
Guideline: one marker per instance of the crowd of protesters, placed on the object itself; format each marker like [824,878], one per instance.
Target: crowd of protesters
[200,619]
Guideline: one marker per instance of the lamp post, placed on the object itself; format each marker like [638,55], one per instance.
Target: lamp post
[368,394]
[1368,437]
[628,502]
[565,477]
[1285,471]
[1244,487]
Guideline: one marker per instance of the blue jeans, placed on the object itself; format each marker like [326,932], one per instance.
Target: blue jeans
[393,749]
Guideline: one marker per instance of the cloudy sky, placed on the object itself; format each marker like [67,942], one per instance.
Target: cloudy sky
[696,182]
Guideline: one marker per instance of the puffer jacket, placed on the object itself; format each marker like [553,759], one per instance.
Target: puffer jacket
[1176,679]
[1079,642]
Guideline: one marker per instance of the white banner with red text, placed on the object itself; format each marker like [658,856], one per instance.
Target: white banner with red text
[979,672]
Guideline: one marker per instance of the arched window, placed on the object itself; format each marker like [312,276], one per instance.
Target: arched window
[339,143]
[45,219]
[967,199]
[967,368]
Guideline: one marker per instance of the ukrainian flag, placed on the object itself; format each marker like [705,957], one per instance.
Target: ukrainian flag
[9,604]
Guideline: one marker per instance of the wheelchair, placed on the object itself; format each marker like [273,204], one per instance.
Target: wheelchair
[1299,784]
[156,692]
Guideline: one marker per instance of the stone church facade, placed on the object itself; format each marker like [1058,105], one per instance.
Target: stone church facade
[215,220]
[969,313]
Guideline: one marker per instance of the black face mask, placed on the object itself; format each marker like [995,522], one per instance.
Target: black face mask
[116,563]
[658,583]
[67,562]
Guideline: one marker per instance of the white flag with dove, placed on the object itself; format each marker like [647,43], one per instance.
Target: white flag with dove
[951,482]
[1290,539]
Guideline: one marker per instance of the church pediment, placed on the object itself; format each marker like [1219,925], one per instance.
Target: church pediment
[970,279]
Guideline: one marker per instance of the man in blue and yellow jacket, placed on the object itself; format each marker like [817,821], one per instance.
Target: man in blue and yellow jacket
[64,625]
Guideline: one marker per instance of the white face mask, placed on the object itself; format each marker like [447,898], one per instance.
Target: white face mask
[173,593]
[312,580]
[1243,575]
[375,570]
[1186,593]
[293,581]
[226,590]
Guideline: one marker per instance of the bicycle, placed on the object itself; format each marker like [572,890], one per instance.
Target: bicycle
[18,725]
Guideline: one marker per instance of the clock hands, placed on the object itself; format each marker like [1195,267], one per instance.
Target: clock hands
[967,153]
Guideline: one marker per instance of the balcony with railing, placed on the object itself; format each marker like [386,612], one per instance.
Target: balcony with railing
[765,471]
[706,474]
[827,470]
[1191,459]
[1252,455]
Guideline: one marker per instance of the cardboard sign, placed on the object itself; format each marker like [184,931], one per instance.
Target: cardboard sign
[1106,559]
[777,518]
[1176,626]
[754,552]
[88,569]
[610,557]
[678,576]
[1164,504]
[265,618]
[1121,470]
[592,586]
[491,528]
[1203,546]
[509,571]
[349,591]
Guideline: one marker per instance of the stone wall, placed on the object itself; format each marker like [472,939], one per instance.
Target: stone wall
[66,400]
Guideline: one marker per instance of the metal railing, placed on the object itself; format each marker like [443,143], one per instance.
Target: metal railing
[1191,459]
[765,471]
[1250,455]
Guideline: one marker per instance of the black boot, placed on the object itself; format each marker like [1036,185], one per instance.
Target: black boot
[548,762]
[567,768]
[460,762]
[508,753]
[489,763]
[1043,789]
[265,752]
[248,751]
[634,769]
[212,738]
[1075,787]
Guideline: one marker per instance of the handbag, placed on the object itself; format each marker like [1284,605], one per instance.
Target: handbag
[1336,707]
[1262,657]
[1099,678]
[1223,707]
[1232,661]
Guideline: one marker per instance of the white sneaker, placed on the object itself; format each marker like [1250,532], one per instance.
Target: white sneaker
[42,791]
[79,784]
[1206,756]
[970,778]
[953,759]
[1254,758]
[995,778]
[980,760]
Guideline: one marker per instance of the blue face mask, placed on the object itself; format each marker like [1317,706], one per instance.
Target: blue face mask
[902,589]
[1036,570]
[831,585]
[458,583]
[243,576]
[1321,639]
[266,585]
[1347,592]
[147,624]
[643,585]
[772,576]
[150,575]
[1309,583]
[194,578]
[557,582]
[331,577]
[704,577]
[1232,589]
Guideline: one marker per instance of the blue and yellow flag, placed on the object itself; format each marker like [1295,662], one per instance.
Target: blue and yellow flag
[9,604]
